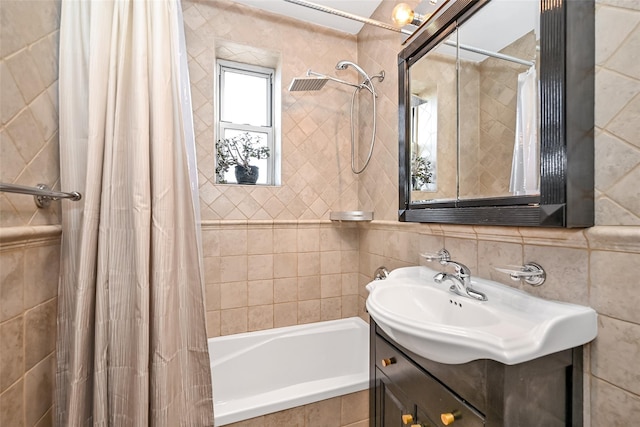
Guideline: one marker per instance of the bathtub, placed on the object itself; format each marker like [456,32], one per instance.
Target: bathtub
[258,373]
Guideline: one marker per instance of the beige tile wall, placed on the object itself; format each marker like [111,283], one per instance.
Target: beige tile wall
[272,258]
[498,96]
[29,237]
[470,169]
[350,410]
[28,107]
[28,306]
[617,111]
[378,50]
[261,275]
[596,267]
[316,176]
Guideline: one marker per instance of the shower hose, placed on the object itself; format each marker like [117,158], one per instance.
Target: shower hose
[367,84]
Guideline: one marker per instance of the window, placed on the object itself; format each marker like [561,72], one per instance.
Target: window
[245,105]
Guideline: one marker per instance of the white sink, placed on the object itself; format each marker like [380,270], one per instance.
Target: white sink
[511,327]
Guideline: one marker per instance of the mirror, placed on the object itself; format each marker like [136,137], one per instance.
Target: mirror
[496,115]
[433,127]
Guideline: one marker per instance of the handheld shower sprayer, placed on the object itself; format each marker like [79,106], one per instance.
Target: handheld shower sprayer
[342,65]
[366,83]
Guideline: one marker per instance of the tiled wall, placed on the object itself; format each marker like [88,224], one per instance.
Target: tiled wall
[350,410]
[316,176]
[28,107]
[596,267]
[29,237]
[378,50]
[498,96]
[617,111]
[470,170]
[282,273]
[28,306]
[272,257]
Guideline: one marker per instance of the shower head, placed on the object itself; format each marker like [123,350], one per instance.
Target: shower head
[307,84]
[342,65]
[313,81]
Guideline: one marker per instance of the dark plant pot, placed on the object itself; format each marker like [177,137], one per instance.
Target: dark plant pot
[246,176]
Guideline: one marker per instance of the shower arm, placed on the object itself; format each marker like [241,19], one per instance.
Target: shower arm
[324,76]
[364,85]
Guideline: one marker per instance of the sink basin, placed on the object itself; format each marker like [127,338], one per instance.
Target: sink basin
[511,327]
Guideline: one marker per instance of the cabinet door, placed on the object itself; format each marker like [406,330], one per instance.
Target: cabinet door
[404,378]
[392,403]
[395,408]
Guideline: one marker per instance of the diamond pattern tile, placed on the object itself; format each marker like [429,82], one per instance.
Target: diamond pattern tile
[316,176]
[28,107]
[315,130]
[617,113]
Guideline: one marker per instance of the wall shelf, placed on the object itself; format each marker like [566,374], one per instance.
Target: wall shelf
[351,216]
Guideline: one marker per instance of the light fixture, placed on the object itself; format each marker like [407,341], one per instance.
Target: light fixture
[403,15]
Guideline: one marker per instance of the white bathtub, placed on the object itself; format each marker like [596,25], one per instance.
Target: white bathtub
[258,373]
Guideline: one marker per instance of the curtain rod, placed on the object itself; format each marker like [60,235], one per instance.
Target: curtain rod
[489,53]
[41,193]
[348,15]
[385,26]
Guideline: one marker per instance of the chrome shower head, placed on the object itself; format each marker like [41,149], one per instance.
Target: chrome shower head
[342,65]
[307,84]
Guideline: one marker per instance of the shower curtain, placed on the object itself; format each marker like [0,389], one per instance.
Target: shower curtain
[132,347]
[525,169]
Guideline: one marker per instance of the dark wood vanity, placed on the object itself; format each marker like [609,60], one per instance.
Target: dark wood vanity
[408,390]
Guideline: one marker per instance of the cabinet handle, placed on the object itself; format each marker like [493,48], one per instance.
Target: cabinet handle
[449,417]
[389,361]
[407,418]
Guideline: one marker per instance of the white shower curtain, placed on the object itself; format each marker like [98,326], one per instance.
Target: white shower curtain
[525,169]
[131,345]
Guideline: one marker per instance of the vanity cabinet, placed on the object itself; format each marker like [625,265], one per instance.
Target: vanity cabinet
[408,390]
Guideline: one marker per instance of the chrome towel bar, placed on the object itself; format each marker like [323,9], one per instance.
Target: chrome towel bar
[41,193]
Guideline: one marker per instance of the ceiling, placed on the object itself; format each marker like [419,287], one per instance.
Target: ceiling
[514,18]
[364,8]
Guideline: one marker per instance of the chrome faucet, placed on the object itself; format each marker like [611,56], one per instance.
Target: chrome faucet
[461,279]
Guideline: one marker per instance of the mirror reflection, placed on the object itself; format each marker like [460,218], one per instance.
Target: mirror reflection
[433,126]
[474,127]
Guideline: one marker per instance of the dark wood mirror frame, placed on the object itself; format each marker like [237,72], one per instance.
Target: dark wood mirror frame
[566,70]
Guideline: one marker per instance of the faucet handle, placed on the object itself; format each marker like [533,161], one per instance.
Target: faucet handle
[442,256]
[531,272]
[381,273]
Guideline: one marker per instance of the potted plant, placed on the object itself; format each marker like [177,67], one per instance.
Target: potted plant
[238,151]
[421,173]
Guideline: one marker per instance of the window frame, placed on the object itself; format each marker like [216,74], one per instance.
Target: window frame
[268,74]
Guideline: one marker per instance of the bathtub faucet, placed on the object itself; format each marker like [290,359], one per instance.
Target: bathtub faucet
[461,280]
